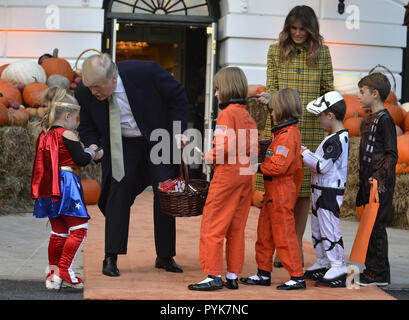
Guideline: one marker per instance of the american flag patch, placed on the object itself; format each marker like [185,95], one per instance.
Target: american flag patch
[282,150]
[220,130]
[269,153]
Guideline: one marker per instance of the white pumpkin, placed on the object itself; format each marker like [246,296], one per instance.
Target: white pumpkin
[24,72]
[347,82]
[58,80]
[405,106]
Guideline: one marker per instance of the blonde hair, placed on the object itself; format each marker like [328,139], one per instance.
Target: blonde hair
[309,21]
[98,67]
[58,101]
[231,83]
[286,104]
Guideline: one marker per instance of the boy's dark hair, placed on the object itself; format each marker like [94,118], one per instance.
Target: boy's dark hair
[377,81]
[338,109]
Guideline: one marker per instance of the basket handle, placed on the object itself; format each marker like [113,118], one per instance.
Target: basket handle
[390,72]
[183,168]
[82,53]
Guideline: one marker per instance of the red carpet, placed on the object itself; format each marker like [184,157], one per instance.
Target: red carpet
[139,279]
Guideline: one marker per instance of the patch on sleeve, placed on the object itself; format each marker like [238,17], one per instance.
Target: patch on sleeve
[269,153]
[220,130]
[282,150]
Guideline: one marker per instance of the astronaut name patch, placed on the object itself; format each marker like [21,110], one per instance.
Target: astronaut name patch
[282,150]
[220,130]
[269,153]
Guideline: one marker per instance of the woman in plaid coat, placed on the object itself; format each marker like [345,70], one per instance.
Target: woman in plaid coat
[300,61]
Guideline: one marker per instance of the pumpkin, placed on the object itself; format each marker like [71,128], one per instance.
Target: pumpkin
[32,112]
[32,94]
[4,100]
[252,89]
[399,131]
[24,72]
[4,66]
[260,89]
[405,106]
[396,113]
[257,198]
[353,125]
[403,148]
[353,104]
[391,98]
[347,82]
[59,81]
[41,111]
[10,91]
[4,116]
[91,190]
[17,117]
[405,122]
[59,66]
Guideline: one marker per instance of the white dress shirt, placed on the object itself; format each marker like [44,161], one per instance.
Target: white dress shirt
[129,127]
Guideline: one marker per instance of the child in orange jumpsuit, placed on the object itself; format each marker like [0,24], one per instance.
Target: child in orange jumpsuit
[276,226]
[229,198]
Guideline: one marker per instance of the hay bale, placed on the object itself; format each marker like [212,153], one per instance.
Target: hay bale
[399,217]
[16,160]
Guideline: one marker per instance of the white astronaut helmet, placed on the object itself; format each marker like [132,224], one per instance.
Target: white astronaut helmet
[324,102]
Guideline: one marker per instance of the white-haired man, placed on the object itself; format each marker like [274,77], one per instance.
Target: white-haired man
[121,104]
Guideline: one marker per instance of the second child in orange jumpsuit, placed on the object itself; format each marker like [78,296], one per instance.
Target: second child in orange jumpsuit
[276,225]
[229,197]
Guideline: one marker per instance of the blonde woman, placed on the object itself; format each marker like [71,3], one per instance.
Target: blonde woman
[300,61]
[56,186]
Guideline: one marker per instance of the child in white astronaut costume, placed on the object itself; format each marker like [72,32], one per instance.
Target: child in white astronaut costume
[328,167]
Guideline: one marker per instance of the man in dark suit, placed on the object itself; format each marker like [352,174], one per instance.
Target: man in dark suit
[147,98]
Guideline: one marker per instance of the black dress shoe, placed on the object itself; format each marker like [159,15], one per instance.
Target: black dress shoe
[253,282]
[168,264]
[214,284]
[109,267]
[231,283]
[293,285]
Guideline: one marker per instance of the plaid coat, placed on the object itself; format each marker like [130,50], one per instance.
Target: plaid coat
[311,82]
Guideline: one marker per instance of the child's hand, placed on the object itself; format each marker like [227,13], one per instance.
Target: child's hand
[303,148]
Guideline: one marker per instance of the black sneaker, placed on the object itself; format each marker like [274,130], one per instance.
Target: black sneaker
[337,282]
[368,278]
[316,274]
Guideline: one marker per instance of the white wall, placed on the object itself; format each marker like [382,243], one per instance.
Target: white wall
[248,27]
[29,29]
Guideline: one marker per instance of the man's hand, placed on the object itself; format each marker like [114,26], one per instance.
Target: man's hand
[181,138]
[98,154]
[263,98]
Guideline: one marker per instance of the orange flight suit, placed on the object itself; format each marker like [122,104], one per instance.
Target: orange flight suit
[229,198]
[276,225]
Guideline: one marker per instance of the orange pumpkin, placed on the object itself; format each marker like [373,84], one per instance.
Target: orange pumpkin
[396,113]
[353,104]
[60,66]
[10,91]
[391,98]
[405,122]
[4,100]
[4,116]
[32,94]
[403,148]
[260,89]
[399,168]
[252,89]
[399,131]
[91,190]
[17,117]
[41,111]
[353,125]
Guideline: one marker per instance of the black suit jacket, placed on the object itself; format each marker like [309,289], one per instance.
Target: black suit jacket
[156,100]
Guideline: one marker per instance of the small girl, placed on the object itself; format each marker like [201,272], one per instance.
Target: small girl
[276,226]
[229,198]
[56,186]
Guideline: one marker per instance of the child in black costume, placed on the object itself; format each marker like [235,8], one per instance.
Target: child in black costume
[378,155]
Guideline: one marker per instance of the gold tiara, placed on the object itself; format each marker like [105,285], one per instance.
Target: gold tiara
[67,104]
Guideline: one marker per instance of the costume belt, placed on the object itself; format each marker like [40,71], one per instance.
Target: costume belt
[71,169]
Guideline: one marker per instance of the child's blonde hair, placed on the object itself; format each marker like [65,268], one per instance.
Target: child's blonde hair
[286,104]
[231,83]
[58,101]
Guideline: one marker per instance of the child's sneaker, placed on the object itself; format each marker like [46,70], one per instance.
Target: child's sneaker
[337,282]
[368,278]
[59,283]
[49,276]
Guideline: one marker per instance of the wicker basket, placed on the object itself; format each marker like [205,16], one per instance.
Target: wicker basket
[188,203]
[264,144]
